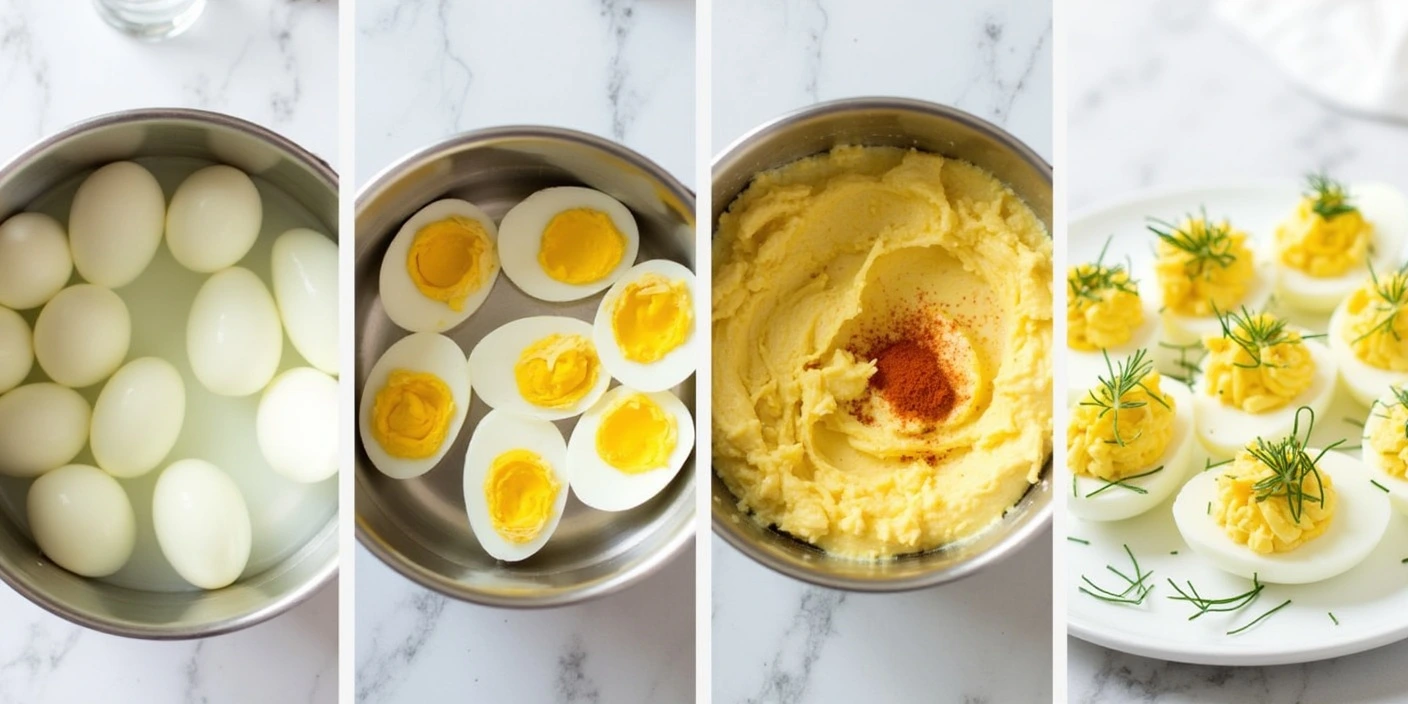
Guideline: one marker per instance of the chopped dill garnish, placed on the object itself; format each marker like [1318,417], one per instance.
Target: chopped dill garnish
[1354,421]
[1253,332]
[1392,294]
[1134,593]
[1209,464]
[1381,487]
[1208,605]
[1329,198]
[1405,561]
[1121,483]
[1077,540]
[1191,369]
[1088,280]
[1208,244]
[1125,377]
[1173,552]
[1209,508]
[1290,467]
[1260,618]
[1332,617]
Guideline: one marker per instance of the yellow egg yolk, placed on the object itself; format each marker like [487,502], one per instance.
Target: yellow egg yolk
[580,246]
[1267,525]
[1323,247]
[521,492]
[1257,377]
[1145,427]
[1215,275]
[1376,328]
[652,316]
[636,435]
[411,414]
[557,371]
[1390,438]
[448,260]
[1102,308]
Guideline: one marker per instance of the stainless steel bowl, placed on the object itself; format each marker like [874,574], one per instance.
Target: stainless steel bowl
[891,122]
[418,526]
[69,155]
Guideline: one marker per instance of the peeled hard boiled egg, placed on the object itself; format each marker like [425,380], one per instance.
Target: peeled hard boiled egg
[1093,499]
[645,327]
[1386,210]
[305,288]
[42,427]
[214,219]
[233,336]
[515,484]
[1223,429]
[35,262]
[82,520]
[545,367]
[440,266]
[82,335]
[628,447]
[1354,531]
[115,224]
[566,243]
[413,404]
[16,349]
[297,425]
[202,523]
[138,417]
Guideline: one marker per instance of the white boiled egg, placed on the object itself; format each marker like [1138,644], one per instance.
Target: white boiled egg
[35,262]
[82,335]
[138,417]
[115,224]
[1384,207]
[1179,329]
[422,353]
[541,496]
[202,523]
[297,425]
[493,365]
[1357,525]
[233,336]
[305,288]
[1397,486]
[612,433]
[214,219]
[16,349]
[1223,429]
[1093,499]
[42,427]
[567,243]
[635,313]
[1362,380]
[1084,368]
[404,300]
[82,520]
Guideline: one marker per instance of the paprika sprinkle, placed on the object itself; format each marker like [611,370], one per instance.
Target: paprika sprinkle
[909,376]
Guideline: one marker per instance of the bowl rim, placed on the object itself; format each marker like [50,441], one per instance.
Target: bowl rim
[1012,542]
[413,571]
[325,573]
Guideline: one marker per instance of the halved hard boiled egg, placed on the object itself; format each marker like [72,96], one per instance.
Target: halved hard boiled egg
[1385,445]
[567,243]
[645,327]
[1315,241]
[628,447]
[543,367]
[515,484]
[1096,499]
[440,266]
[413,404]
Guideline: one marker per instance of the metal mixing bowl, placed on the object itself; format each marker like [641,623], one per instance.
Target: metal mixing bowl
[71,154]
[418,526]
[908,124]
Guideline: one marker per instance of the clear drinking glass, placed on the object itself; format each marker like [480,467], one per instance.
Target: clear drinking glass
[152,20]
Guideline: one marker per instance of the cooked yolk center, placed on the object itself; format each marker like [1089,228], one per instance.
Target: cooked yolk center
[1323,247]
[581,246]
[652,316]
[1266,524]
[411,414]
[1260,381]
[448,258]
[557,371]
[636,435]
[1096,447]
[521,492]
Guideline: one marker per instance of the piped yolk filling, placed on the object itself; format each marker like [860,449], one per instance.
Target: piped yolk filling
[581,246]
[411,414]
[521,493]
[1321,247]
[1267,526]
[448,258]
[1193,285]
[653,316]
[636,435]
[1390,440]
[557,371]
[1094,450]
[1239,380]
[1372,336]
[1106,318]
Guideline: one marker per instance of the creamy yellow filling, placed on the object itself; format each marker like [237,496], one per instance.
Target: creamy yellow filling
[1323,247]
[1247,370]
[1376,329]
[1268,525]
[1211,271]
[1389,439]
[1102,316]
[1112,445]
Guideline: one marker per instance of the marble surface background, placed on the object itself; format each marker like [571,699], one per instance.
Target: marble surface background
[273,62]
[1190,102]
[985,639]
[617,68]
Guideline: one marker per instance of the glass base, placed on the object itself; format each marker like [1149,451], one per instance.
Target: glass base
[150,20]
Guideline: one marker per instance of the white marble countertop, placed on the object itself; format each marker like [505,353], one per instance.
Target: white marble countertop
[987,638]
[269,61]
[1154,118]
[621,70]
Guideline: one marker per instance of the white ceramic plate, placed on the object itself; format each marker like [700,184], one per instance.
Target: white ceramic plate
[1370,601]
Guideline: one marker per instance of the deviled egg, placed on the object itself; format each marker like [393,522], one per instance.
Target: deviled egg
[567,243]
[1203,266]
[542,367]
[515,484]
[413,405]
[644,329]
[1105,313]
[440,266]
[1369,335]
[1385,444]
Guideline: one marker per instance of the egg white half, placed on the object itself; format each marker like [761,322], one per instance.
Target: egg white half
[1223,430]
[1387,210]
[496,434]
[492,361]
[1116,503]
[1363,381]
[1356,527]
[1084,368]
[1397,486]
[421,352]
[677,364]
[403,302]
[522,239]
[606,488]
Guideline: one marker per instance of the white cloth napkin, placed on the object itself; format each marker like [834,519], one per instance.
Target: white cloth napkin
[1351,53]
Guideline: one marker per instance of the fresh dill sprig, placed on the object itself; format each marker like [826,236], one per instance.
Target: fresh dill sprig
[1207,605]
[1207,244]
[1134,593]
[1087,281]
[1260,618]
[1393,294]
[1291,466]
[1328,197]
[1121,483]
[1125,377]
[1253,332]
